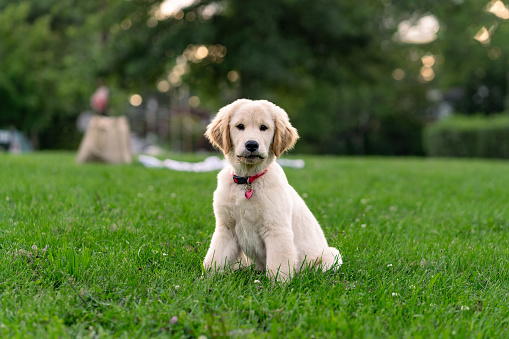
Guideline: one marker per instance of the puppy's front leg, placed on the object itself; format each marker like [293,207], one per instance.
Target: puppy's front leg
[281,254]
[223,250]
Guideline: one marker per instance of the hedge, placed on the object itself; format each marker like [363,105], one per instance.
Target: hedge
[468,136]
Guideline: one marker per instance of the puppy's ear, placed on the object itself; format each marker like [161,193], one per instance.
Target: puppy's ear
[218,131]
[285,135]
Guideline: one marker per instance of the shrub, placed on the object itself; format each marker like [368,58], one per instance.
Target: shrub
[468,136]
[395,134]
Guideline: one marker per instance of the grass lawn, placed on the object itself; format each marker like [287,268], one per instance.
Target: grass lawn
[97,251]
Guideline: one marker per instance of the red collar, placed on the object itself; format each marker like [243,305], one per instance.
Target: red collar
[248,181]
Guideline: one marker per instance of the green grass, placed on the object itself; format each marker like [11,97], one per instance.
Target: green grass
[425,245]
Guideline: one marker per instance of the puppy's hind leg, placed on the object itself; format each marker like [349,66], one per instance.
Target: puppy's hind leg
[331,258]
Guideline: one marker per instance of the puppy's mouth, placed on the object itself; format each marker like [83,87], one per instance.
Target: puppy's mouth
[250,158]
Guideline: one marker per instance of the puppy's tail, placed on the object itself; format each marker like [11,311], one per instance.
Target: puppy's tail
[337,256]
[331,259]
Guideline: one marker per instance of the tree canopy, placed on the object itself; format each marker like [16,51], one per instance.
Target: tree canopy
[343,70]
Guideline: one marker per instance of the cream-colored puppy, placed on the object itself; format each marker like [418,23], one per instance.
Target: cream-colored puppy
[260,218]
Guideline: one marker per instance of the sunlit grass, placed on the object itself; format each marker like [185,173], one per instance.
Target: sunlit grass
[93,250]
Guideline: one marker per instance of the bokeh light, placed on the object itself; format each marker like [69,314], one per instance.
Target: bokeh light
[398,74]
[175,79]
[194,101]
[170,8]
[163,86]
[152,22]
[499,9]
[483,36]
[233,76]
[135,100]
[126,24]
[421,32]
[190,16]
[179,15]
[494,53]
[427,73]
[428,60]
[201,52]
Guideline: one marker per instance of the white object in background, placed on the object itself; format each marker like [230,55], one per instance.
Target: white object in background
[211,163]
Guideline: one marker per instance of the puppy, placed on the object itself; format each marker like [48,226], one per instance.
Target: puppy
[260,218]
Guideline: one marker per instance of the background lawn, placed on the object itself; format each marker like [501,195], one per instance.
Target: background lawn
[93,250]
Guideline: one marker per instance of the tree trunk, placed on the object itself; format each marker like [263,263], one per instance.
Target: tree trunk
[34,137]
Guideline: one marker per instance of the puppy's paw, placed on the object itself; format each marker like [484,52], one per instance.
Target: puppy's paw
[278,275]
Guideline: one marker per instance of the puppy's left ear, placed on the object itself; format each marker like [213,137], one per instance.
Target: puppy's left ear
[285,135]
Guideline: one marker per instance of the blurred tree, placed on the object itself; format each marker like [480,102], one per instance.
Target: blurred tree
[42,77]
[349,83]
[479,67]
[475,73]
[329,63]
[24,48]
[51,55]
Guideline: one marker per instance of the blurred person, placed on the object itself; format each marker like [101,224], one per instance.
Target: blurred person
[107,139]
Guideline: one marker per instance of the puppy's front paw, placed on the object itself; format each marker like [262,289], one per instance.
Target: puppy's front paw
[279,275]
[212,267]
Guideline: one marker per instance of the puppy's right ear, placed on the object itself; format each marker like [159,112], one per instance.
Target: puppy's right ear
[218,131]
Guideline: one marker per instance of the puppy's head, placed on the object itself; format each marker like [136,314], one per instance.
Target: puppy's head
[252,132]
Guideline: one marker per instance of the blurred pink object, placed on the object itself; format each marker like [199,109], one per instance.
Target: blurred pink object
[99,100]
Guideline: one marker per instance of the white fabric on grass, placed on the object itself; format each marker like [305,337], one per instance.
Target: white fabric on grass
[211,163]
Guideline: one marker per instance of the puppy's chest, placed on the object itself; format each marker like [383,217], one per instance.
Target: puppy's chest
[248,230]
[250,221]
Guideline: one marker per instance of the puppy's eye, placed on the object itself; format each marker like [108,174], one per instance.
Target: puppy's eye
[263,128]
[240,127]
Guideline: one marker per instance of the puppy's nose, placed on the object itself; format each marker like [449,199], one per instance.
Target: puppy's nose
[251,145]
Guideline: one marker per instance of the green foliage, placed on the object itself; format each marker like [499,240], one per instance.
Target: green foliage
[39,81]
[328,63]
[469,136]
[461,61]
[396,134]
[293,52]
[425,248]
[286,44]
[49,63]
[360,120]
[28,74]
